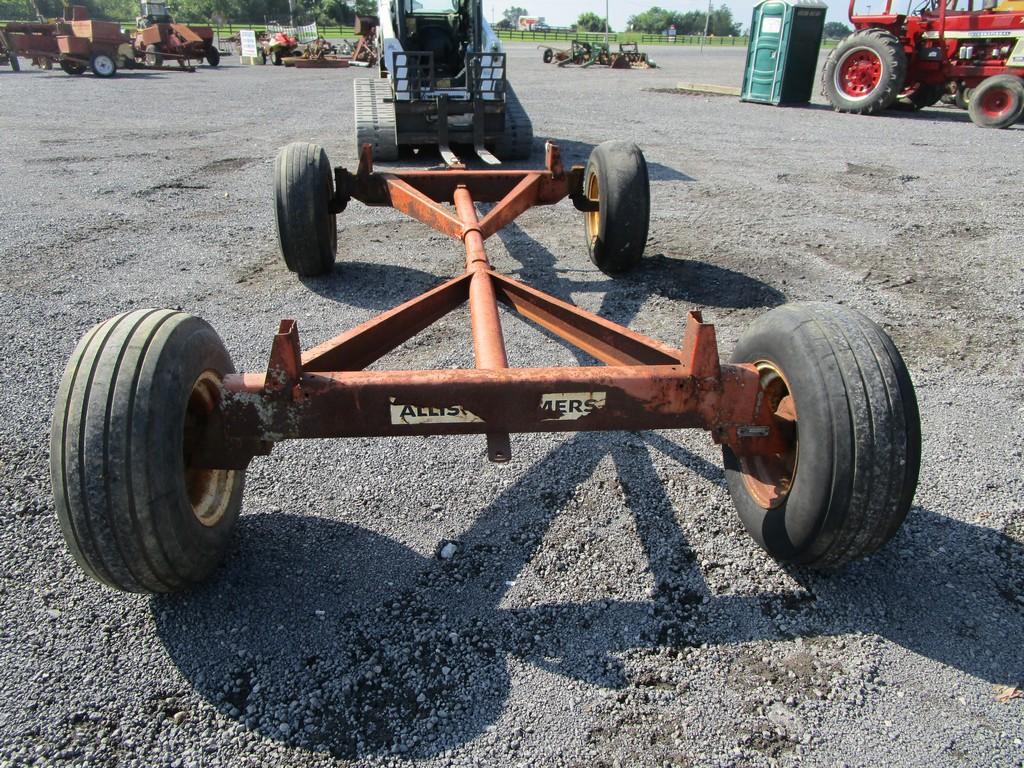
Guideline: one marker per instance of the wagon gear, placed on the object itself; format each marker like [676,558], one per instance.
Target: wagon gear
[912,60]
[158,37]
[815,414]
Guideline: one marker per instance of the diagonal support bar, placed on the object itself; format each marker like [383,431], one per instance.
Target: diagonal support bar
[414,203]
[512,206]
[607,341]
[367,343]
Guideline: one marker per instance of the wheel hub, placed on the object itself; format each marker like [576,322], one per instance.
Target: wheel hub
[769,479]
[995,102]
[209,490]
[859,73]
[592,219]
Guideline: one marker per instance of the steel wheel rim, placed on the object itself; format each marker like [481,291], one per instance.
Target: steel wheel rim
[995,102]
[104,65]
[593,218]
[769,479]
[209,490]
[858,73]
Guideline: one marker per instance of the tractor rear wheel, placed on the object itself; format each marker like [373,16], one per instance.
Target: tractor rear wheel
[212,55]
[997,102]
[153,57]
[103,65]
[135,513]
[71,68]
[864,74]
[307,229]
[838,385]
[616,179]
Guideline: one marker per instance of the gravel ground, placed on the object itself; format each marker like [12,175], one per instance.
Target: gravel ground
[603,605]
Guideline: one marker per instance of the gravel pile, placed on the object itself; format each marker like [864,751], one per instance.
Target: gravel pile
[595,602]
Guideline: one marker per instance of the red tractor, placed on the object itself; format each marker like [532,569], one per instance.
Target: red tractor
[158,37]
[939,47]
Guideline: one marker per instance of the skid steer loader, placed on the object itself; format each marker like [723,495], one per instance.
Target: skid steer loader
[442,81]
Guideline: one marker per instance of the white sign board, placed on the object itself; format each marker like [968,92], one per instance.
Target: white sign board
[247,39]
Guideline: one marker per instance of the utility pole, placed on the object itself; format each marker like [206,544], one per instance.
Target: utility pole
[606,25]
[707,21]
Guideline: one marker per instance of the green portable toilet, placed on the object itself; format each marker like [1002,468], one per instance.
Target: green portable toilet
[782,55]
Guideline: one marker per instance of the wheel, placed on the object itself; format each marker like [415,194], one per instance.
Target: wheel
[864,74]
[919,96]
[549,55]
[71,68]
[997,102]
[212,55]
[13,59]
[963,97]
[103,65]
[845,487]
[516,143]
[153,57]
[616,179]
[278,56]
[134,512]
[307,230]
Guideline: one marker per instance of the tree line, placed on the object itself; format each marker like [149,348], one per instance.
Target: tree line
[654,21]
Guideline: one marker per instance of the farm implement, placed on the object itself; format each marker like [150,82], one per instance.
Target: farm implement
[939,48]
[585,54]
[153,430]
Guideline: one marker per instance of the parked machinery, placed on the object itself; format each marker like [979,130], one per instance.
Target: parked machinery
[7,54]
[937,47]
[159,37]
[75,44]
[278,43]
[443,81]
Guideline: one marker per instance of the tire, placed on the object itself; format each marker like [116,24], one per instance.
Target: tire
[212,56]
[278,58]
[307,231]
[616,178]
[118,453]
[71,68]
[153,57]
[997,102]
[919,97]
[548,56]
[103,65]
[15,64]
[864,74]
[516,143]
[963,97]
[846,487]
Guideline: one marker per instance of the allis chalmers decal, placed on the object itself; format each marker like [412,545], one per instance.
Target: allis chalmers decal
[570,406]
[417,414]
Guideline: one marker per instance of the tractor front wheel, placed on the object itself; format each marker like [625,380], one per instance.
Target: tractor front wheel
[616,180]
[103,65]
[842,393]
[136,513]
[307,229]
[997,102]
[962,99]
[864,74]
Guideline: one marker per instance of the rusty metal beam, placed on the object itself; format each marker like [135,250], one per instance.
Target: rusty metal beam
[367,343]
[414,203]
[607,341]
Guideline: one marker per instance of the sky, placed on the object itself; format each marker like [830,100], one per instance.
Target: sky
[561,14]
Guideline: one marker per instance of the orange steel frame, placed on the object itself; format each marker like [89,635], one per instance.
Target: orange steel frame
[644,384]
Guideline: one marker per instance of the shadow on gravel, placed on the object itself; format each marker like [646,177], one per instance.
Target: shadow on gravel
[327,637]
[372,286]
[578,152]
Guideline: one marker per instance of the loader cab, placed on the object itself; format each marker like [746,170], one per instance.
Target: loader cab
[448,29]
[154,13]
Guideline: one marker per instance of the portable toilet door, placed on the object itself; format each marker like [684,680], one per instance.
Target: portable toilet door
[782,55]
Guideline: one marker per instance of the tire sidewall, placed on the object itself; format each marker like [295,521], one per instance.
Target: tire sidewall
[184,351]
[792,529]
[624,206]
[1014,88]
[890,81]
